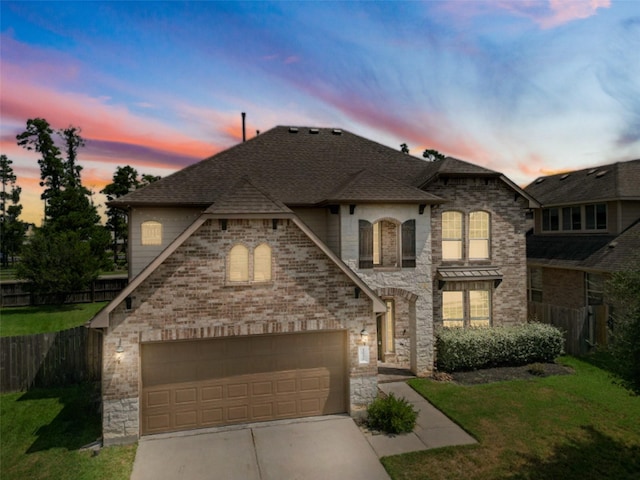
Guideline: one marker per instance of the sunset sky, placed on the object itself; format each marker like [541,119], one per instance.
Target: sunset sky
[525,87]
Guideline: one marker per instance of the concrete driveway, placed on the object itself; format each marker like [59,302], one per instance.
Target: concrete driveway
[317,448]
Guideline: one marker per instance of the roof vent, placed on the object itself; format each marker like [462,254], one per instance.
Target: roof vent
[293,129]
[613,244]
[314,130]
[592,171]
[601,173]
[540,180]
[564,177]
[336,131]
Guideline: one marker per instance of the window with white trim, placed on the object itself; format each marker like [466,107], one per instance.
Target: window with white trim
[151,233]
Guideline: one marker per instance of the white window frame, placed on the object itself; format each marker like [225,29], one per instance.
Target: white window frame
[452,235]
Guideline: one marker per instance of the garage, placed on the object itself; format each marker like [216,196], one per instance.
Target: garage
[214,382]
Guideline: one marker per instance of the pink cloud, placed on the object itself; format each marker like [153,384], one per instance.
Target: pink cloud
[556,12]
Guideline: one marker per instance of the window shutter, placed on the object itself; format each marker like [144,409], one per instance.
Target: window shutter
[409,244]
[366,244]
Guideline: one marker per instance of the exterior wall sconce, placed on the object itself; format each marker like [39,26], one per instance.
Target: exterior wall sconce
[364,336]
[119,350]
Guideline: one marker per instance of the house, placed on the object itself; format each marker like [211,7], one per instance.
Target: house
[588,226]
[267,281]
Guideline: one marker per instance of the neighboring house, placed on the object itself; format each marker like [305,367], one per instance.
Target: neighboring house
[587,227]
[268,280]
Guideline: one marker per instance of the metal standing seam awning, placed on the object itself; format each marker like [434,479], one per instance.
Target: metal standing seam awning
[468,274]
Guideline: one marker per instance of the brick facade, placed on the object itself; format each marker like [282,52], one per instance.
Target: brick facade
[507,245]
[189,297]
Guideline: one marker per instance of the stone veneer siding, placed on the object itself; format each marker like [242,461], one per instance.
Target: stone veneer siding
[412,286]
[188,297]
[507,243]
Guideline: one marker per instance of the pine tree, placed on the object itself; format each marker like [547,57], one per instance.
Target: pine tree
[12,230]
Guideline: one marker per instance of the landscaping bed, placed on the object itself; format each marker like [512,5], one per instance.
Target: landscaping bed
[503,374]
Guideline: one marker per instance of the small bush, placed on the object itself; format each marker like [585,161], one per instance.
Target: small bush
[536,369]
[474,348]
[391,415]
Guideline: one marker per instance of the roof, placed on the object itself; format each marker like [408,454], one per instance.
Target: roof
[302,166]
[615,181]
[605,253]
[246,198]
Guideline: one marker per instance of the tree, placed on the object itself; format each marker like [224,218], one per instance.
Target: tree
[404,148]
[12,230]
[125,180]
[57,263]
[433,155]
[71,220]
[37,136]
[623,289]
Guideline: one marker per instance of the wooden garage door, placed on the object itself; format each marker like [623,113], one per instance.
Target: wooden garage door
[204,383]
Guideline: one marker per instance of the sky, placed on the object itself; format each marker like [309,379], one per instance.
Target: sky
[524,87]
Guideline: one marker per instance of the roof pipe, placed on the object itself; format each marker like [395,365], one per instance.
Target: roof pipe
[244,132]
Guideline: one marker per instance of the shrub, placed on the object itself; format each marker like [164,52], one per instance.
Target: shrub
[474,348]
[391,415]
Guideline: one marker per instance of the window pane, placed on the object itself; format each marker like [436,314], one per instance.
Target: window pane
[452,309]
[576,218]
[566,218]
[239,264]
[262,263]
[479,308]
[452,225]
[590,214]
[389,327]
[478,249]
[601,216]
[550,219]
[451,250]
[595,288]
[478,225]
[151,233]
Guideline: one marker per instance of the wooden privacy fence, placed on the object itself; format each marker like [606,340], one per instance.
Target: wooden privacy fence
[14,294]
[583,327]
[50,359]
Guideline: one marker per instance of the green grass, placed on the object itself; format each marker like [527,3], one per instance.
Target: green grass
[568,427]
[16,321]
[41,432]
[7,273]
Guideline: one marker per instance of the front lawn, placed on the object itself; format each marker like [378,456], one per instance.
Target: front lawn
[41,432]
[16,321]
[568,427]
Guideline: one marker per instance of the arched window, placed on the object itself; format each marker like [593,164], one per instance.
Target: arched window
[262,263]
[451,235]
[478,235]
[239,264]
[151,233]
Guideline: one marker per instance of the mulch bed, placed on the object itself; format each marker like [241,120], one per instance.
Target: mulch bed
[500,374]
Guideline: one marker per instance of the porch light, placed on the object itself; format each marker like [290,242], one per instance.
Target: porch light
[119,349]
[364,336]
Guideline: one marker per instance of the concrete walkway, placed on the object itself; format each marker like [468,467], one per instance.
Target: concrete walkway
[433,428]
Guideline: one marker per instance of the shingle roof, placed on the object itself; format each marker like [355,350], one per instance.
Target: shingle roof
[607,253]
[246,198]
[304,166]
[618,181]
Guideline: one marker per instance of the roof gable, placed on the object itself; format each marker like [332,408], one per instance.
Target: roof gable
[246,198]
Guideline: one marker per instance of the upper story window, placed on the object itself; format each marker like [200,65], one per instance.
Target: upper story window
[262,263]
[387,244]
[451,235]
[575,218]
[241,263]
[453,245]
[151,233]
[478,235]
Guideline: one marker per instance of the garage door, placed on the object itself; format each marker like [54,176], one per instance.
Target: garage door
[205,383]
